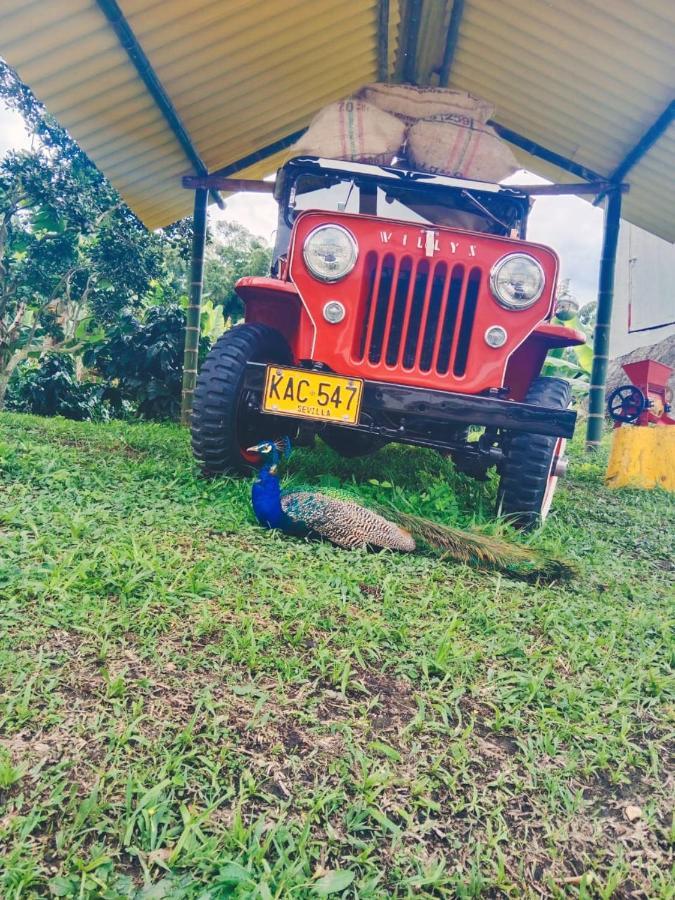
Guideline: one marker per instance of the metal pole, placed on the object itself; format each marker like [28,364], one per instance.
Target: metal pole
[259,155]
[383,40]
[136,54]
[596,397]
[411,31]
[451,42]
[191,352]
[643,146]
[535,149]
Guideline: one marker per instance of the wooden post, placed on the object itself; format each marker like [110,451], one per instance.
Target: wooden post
[192,330]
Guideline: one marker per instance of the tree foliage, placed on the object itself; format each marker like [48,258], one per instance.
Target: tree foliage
[233,253]
[141,362]
[80,273]
[71,253]
[51,388]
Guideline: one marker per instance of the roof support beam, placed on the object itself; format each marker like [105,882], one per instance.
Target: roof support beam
[451,42]
[646,142]
[383,40]
[535,149]
[259,155]
[136,54]
[410,35]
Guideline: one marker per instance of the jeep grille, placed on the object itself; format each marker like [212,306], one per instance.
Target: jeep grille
[419,314]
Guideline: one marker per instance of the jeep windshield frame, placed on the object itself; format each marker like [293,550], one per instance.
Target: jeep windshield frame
[398,194]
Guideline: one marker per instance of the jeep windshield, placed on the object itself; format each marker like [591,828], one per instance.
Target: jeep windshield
[306,183]
[341,193]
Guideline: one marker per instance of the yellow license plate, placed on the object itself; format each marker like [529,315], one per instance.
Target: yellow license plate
[312,395]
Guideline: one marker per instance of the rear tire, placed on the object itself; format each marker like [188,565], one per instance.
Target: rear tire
[528,476]
[222,424]
[351,444]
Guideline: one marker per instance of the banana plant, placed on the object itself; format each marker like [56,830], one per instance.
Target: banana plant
[574,363]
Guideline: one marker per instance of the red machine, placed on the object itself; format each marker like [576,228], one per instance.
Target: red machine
[646,400]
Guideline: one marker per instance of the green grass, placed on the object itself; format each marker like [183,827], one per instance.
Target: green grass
[191,707]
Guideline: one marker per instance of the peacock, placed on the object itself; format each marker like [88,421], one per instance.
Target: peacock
[347,524]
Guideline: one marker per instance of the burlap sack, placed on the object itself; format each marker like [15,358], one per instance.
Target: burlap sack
[459,146]
[352,130]
[410,103]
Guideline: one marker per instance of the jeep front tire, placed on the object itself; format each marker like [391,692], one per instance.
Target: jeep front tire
[532,463]
[223,422]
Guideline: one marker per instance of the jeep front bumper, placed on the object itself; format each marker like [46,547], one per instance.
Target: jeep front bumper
[384,403]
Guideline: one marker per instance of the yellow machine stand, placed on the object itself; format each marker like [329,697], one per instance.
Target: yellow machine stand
[642,457]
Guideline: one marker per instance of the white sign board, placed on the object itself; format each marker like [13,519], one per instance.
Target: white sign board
[644,297]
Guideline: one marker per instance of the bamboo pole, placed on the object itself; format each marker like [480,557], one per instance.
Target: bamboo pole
[191,352]
[596,394]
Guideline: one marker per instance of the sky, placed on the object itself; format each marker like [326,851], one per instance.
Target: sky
[568,224]
[12,132]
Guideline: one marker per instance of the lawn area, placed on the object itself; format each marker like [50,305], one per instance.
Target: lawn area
[191,707]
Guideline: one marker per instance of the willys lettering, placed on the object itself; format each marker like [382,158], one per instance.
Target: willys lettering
[429,241]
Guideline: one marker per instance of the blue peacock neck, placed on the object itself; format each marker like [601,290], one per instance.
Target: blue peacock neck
[266,499]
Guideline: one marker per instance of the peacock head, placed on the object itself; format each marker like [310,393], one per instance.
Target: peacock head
[265,490]
[271,452]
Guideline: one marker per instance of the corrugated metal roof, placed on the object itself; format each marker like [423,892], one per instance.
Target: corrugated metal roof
[584,78]
[240,75]
[581,77]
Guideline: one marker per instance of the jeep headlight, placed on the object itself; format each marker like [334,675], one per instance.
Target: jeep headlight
[517,281]
[330,252]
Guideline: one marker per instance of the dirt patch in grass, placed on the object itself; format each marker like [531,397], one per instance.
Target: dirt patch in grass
[93,448]
[90,679]
[394,701]
[390,701]
[633,818]
[629,819]
[371,590]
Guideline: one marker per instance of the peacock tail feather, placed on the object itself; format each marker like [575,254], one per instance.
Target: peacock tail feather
[471,547]
[344,522]
[464,546]
[482,549]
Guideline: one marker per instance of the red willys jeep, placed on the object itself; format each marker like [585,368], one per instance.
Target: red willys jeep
[402,307]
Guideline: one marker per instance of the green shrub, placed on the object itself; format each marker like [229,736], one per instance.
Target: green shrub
[51,388]
[141,362]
